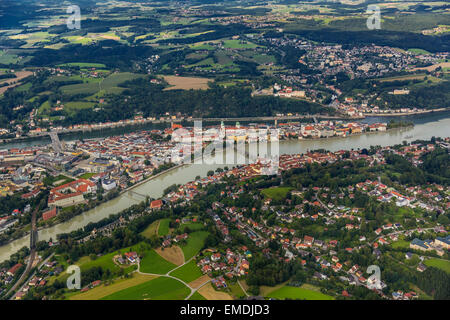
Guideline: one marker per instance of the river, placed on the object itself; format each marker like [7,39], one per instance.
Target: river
[426,126]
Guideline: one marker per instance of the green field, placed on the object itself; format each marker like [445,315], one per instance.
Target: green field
[194,244]
[439,263]
[193,226]
[151,230]
[197,296]
[87,175]
[418,51]
[278,193]
[83,65]
[400,244]
[163,229]
[152,262]
[238,44]
[161,288]
[7,58]
[189,272]
[287,292]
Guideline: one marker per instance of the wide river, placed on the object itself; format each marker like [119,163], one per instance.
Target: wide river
[426,126]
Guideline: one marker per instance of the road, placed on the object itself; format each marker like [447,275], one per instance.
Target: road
[34,273]
[33,240]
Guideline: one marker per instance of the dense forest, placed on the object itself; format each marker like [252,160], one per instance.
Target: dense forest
[216,101]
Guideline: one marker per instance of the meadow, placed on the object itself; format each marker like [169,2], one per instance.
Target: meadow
[189,272]
[195,243]
[163,228]
[104,290]
[288,292]
[278,193]
[152,262]
[161,288]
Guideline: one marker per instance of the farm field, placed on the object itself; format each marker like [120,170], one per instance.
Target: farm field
[194,244]
[152,262]
[189,272]
[14,82]
[199,281]
[83,65]
[438,263]
[161,288]
[173,254]
[210,293]
[105,290]
[186,83]
[288,292]
[238,44]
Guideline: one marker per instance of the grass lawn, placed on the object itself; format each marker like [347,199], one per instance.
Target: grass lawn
[438,263]
[151,230]
[154,263]
[400,244]
[163,229]
[298,293]
[236,290]
[236,44]
[87,175]
[195,242]
[189,272]
[278,193]
[157,289]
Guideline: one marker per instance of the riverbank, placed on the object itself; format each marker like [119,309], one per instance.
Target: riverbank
[43,228]
[402,114]
[151,178]
[425,128]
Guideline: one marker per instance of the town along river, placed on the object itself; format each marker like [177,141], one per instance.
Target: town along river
[425,127]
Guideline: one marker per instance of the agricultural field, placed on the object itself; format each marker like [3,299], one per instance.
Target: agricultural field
[8,58]
[161,288]
[194,244]
[189,272]
[239,44]
[301,293]
[210,293]
[152,262]
[83,65]
[173,254]
[121,284]
[186,83]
